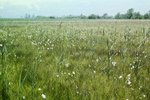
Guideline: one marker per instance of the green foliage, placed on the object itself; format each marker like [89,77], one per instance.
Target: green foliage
[129,13]
[118,16]
[92,16]
[136,15]
[147,15]
[74,60]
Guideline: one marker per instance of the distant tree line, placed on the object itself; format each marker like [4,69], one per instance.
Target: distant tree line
[104,16]
[130,14]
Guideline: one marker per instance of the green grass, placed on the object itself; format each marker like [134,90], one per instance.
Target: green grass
[75,60]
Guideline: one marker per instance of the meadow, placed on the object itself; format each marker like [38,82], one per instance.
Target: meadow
[75,60]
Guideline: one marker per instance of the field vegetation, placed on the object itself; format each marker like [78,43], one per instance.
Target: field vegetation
[75,60]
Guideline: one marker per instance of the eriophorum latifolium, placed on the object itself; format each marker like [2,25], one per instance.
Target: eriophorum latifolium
[81,60]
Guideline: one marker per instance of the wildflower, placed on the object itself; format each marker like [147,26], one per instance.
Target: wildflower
[39,89]
[43,96]
[114,63]
[94,72]
[120,77]
[23,97]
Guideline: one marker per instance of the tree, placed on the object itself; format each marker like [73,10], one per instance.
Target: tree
[27,16]
[146,16]
[52,17]
[82,16]
[105,16]
[92,16]
[129,13]
[136,15]
[118,16]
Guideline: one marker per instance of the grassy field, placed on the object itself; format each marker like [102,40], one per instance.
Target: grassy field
[75,60]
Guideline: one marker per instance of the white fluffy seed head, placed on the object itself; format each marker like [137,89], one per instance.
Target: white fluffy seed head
[114,63]
[43,96]
[23,97]
[39,89]
[1,45]
[120,77]
[73,73]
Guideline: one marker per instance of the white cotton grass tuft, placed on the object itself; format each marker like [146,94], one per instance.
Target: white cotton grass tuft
[133,67]
[1,45]
[114,63]
[39,89]
[97,60]
[23,97]
[67,65]
[120,77]
[73,73]
[129,75]
[69,74]
[94,72]
[144,95]
[128,82]
[43,96]
[57,75]
[9,83]
[129,79]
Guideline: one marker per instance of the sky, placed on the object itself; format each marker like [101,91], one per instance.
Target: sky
[18,8]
